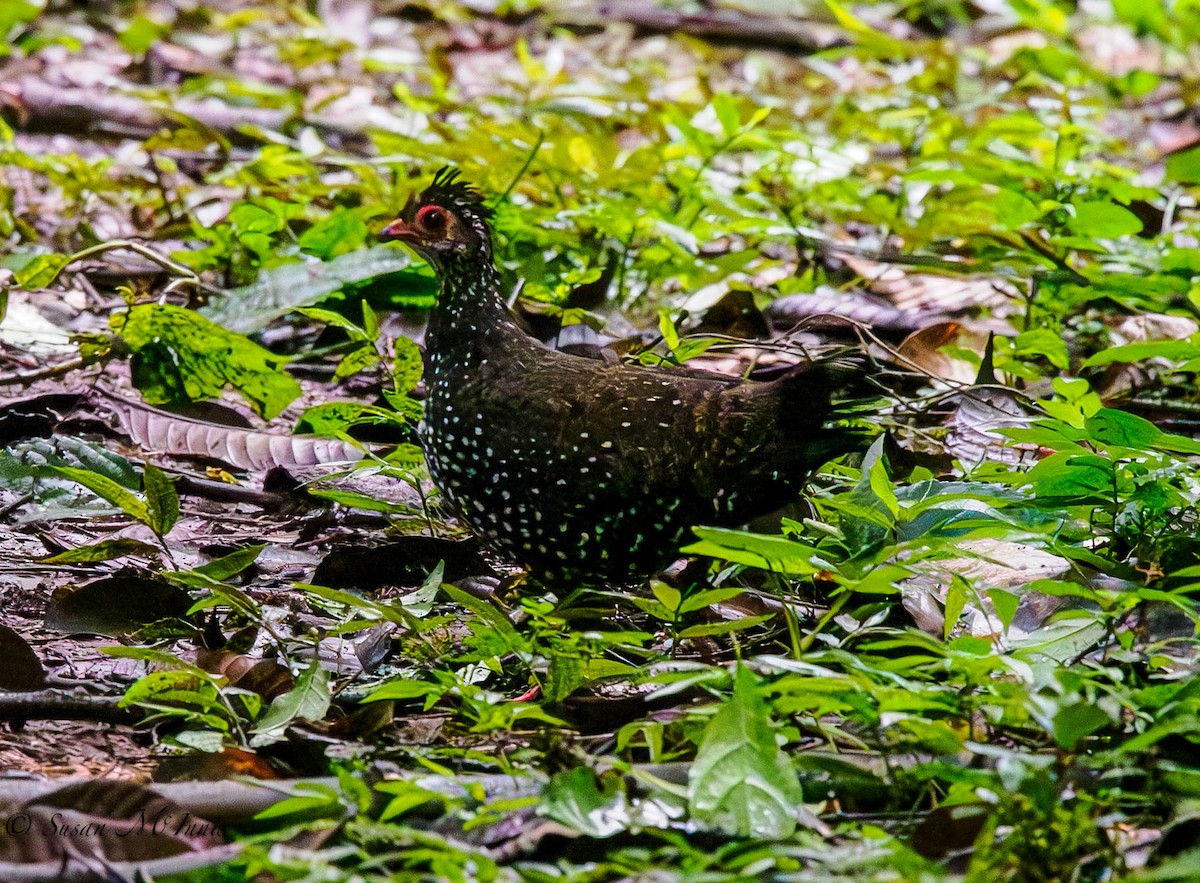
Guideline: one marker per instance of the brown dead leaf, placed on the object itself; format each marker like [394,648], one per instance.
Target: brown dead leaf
[20,669]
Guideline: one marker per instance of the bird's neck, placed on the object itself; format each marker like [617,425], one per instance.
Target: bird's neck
[470,314]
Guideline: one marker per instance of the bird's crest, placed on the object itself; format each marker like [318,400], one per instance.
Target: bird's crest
[447,190]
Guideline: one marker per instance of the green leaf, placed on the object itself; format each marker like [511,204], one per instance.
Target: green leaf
[282,289]
[1103,220]
[140,34]
[105,550]
[1184,166]
[334,319]
[355,361]
[1005,604]
[15,12]
[408,367]
[581,802]
[956,602]
[727,627]
[403,690]
[41,271]
[162,500]
[490,615]
[1174,350]
[184,356]
[108,490]
[741,781]
[335,418]
[1073,723]
[232,564]
[342,232]
[725,108]
[308,700]
[775,553]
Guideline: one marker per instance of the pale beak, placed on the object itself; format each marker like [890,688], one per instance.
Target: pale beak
[398,231]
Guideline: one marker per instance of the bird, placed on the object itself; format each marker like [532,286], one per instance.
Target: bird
[579,470]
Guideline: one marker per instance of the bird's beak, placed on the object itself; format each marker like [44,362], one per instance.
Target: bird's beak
[398,231]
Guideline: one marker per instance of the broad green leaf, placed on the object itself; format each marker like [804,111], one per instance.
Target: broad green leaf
[1175,350]
[140,34]
[956,602]
[727,627]
[355,361]
[341,232]
[1104,220]
[1005,604]
[403,690]
[181,356]
[725,107]
[489,614]
[333,319]
[581,801]
[282,289]
[741,781]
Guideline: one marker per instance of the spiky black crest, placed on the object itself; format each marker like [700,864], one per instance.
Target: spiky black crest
[447,190]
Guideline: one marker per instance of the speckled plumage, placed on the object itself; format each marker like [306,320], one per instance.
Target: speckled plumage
[580,470]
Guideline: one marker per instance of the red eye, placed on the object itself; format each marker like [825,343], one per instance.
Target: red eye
[432,217]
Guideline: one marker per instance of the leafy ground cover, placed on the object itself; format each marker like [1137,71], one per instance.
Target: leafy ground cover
[969,655]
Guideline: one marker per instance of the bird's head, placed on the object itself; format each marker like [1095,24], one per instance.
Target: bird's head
[448,218]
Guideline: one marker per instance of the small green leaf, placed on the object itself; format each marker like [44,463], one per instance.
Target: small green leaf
[162,500]
[356,360]
[726,110]
[407,368]
[140,34]
[232,564]
[1005,604]
[308,700]
[956,602]
[594,807]
[756,550]
[727,627]
[1074,723]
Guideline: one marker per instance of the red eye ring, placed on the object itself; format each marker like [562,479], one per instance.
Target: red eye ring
[432,216]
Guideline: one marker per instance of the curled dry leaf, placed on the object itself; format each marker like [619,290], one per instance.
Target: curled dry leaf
[927,350]
[826,307]
[986,564]
[265,677]
[931,292]
[975,426]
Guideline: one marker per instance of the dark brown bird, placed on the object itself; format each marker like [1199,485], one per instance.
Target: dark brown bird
[580,470]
